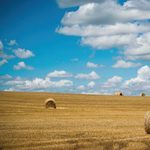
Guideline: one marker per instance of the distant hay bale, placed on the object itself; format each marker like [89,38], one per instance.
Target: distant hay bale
[143,94]
[118,94]
[50,102]
[147,122]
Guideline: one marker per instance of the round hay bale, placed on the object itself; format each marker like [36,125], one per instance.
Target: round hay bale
[50,102]
[147,122]
[118,94]
[143,94]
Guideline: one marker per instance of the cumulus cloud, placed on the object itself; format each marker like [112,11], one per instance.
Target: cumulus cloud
[106,42]
[91,76]
[59,74]
[3,62]
[22,65]
[81,87]
[5,56]
[124,64]
[107,85]
[10,89]
[73,3]
[5,77]
[140,48]
[14,80]
[108,12]
[141,82]
[22,53]
[92,65]
[98,92]
[91,92]
[115,79]
[91,84]
[1,46]
[12,42]
[39,83]
[91,87]
[103,30]
[107,24]
[141,5]
[130,58]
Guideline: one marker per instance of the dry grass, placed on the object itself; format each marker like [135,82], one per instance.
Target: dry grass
[80,122]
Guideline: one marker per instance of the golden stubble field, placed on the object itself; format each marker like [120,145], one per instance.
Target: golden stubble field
[90,122]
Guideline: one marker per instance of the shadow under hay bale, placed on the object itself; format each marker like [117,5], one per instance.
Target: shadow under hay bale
[147,122]
[50,103]
[143,94]
[118,94]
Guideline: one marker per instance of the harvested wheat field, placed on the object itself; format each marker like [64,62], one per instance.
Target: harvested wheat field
[90,122]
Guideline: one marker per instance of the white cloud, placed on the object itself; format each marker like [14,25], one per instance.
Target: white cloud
[108,12]
[39,83]
[115,79]
[14,82]
[21,65]
[59,74]
[5,77]
[103,90]
[81,87]
[3,62]
[124,64]
[91,92]
[103,30]
[106,42]
[107,85]
[91,84]
[73,3]
[130,58]
[76,59]
[140,49]
[12,42]
[23,84]
[107,24]
[91,76]
[5,56]
[10,89]
[106,92]
[21,53]
[144,73]
[1,46]
[92,65]
[141,5]
[141,82]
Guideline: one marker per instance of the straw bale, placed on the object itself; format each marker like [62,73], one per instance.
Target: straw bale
[147,122]
[118,94]
[50,102]
[143,94]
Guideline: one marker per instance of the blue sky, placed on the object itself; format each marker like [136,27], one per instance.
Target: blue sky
[82,46]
